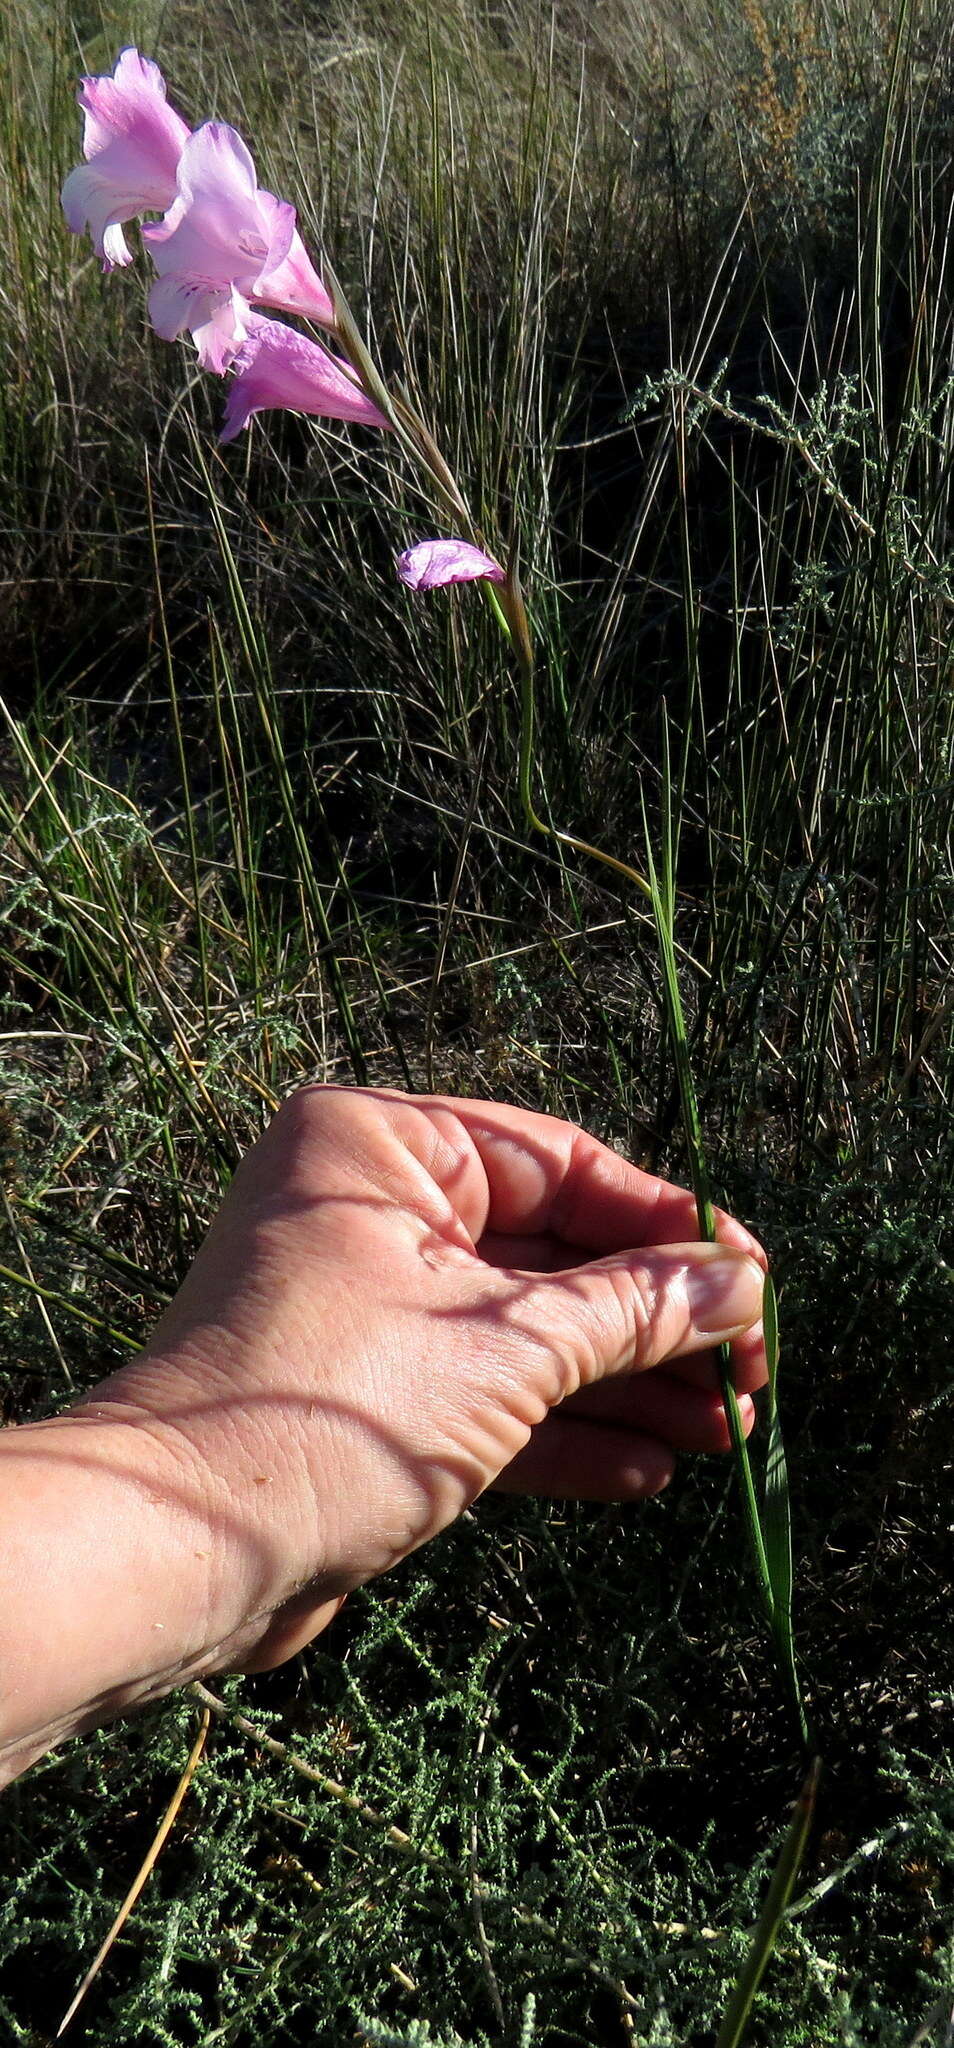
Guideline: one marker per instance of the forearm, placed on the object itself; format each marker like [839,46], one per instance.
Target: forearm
[106,1569]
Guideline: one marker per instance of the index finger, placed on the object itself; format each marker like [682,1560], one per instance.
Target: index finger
[543,1175]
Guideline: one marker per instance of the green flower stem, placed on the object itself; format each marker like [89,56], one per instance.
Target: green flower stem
[607,860]
[773,1571]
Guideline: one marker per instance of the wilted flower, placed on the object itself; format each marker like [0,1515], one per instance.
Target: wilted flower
[432,563]
[132,142]
[277,367]
[224,242]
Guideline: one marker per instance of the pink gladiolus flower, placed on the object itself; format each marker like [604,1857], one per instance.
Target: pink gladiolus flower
[435,562]
[132,142]
[278,367]
[223,243]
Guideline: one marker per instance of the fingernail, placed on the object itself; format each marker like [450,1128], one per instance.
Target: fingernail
[725,1294]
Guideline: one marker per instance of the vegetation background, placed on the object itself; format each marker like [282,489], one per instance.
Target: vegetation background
[674,285]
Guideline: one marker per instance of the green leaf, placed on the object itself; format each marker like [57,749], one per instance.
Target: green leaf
[770,1918]
[663,911]
[776,1516]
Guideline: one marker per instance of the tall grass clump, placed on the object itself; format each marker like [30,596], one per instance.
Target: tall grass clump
[675,290]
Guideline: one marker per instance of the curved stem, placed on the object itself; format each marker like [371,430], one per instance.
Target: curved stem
[608,860]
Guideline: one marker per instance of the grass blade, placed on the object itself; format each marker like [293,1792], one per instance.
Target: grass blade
[770,1918]
[777,1518]
[662,910]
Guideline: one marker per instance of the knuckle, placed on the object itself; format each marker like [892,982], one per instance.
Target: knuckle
[305,1134]
[321,1114]
[309,1108]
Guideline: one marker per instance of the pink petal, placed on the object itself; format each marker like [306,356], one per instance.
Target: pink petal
[215,315]
[220,229]
[220,338]
[435,562]
[173,304]
[280,369]
[133,141]
[91,200]
[131,102]
[116,250]
[294,285]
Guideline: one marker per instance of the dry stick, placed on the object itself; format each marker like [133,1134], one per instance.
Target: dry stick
[396,1836]
[477,1891]
[942,2011]
[142,1875]
[464,1878]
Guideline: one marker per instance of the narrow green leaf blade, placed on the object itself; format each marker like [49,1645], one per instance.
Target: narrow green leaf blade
[770,1919]
[776,1522]
[777,1516]
[692,1129]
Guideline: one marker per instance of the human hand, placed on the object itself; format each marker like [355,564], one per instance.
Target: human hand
[401,1302]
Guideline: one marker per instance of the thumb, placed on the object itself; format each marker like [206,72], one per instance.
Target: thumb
[631,1310]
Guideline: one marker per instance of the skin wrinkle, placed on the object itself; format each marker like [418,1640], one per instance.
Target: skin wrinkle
[22,1444]
[543,1255]
[136,1425]
[502,1307]
[429,1148]
[469,1479]
[267,1264]
[316,1107]
[447,1156]
[231,1538]
[389,1369]
[565,1203]
[646,1318]
[197,1424]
